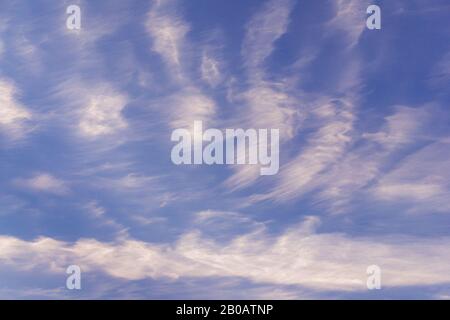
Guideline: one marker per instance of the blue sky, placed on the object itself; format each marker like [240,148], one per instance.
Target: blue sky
[86,176]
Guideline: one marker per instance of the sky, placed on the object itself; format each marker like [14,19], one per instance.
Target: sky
[86,176]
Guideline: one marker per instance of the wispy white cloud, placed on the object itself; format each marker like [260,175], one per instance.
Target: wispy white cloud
[3,26]
[271,107]
[323,149]
[350,18]
[97,108]
[243,176]
[136,188]
[264,28]
[401,128]
[95,26]
[344,181]
[340,184]
[267,107]
[168,31]
[101,216]
[43,182]
[103,115]
[187,106]
[335,172]
[421,179]
[440,74]
[224,221]
[29,53]
[416,191]
[210,70]
[13,114]
[267,104]
[2,48]
[349,177]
